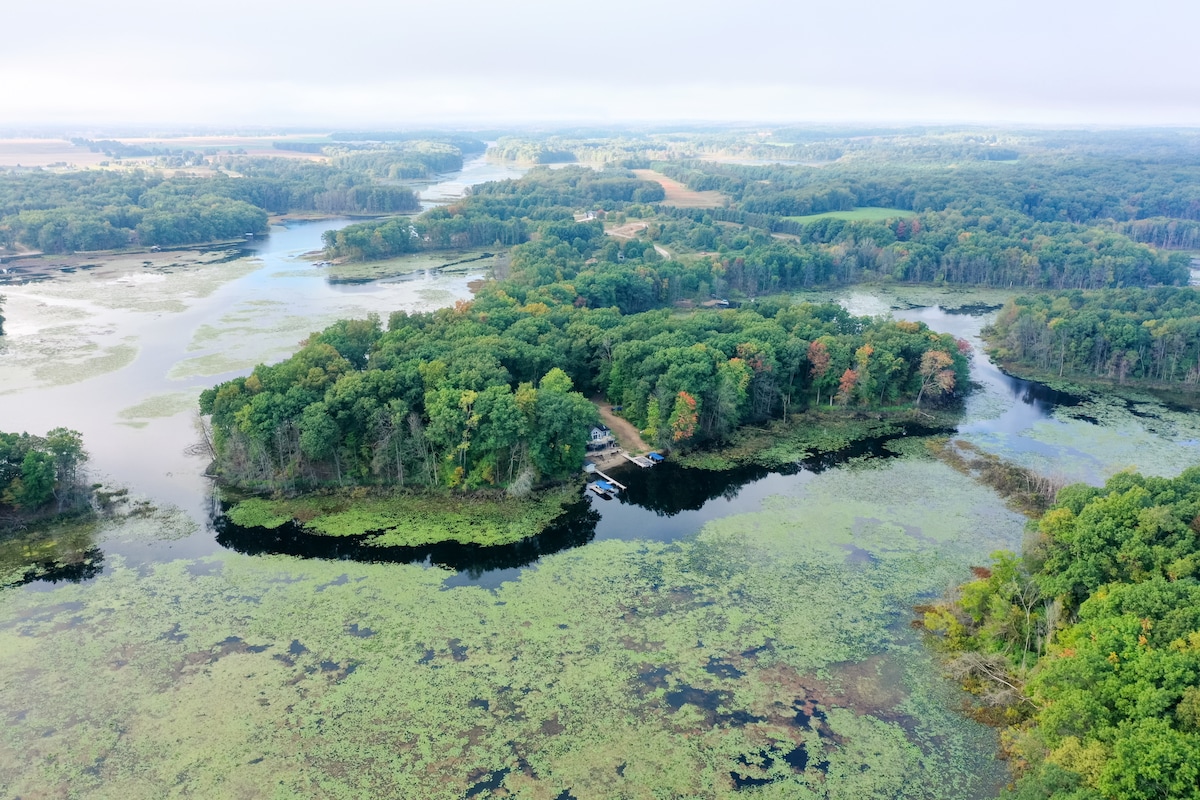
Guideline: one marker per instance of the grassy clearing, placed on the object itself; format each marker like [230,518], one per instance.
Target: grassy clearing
[866,213]
[411,520]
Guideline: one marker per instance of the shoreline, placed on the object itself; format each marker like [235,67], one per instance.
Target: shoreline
[1170,395]
[366,517]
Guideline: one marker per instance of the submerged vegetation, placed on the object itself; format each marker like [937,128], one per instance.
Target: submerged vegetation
[1093,639]
[1028,491]
[763,652]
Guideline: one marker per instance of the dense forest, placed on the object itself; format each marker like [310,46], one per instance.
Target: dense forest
[1093,638]
[1044,209]
[40,476]
[488,393]
[1136,335]
[95,210]
[1054,225]
[730,253]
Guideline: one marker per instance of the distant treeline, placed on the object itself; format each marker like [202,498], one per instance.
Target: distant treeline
[496,213]
[950,247]
[1067,223]
[406,160]
[1135,335]
[1044,189]
[119,150]
[467,145]
[99,210]
[625,148]
[730,253]
[301,147]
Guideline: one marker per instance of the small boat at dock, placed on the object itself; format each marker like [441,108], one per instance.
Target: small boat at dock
[603,489]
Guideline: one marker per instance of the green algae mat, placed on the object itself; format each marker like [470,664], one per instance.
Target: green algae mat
[768,655]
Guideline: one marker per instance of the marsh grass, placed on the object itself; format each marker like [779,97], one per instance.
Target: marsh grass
[1026,490]
[409,264]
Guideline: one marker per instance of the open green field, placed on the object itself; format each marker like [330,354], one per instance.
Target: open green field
[868,213]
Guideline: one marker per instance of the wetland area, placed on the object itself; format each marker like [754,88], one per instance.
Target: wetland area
[709,634]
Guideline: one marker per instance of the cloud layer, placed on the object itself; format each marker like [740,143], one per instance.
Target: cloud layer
[474,62]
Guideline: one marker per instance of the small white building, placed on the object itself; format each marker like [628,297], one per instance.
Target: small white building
[599,438]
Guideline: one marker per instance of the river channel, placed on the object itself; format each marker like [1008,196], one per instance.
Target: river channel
[702,635]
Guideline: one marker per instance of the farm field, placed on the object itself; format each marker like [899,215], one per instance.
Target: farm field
[679,195]
[867,213]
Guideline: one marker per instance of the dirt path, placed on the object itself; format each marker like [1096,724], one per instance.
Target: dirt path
[627,231]
[627,435]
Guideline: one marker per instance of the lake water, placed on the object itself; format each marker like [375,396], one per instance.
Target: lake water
[476,170]
[702,634]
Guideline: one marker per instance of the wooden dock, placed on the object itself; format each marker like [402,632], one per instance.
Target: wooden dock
[620,486]
[641,461]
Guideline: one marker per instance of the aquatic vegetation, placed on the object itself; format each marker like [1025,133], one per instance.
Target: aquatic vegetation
[406,265]
[161,405]
[1026,490]
[771,650]
[409,520]
[781,444]
[885,299]
[1099,437]
[61,551]
[61,372]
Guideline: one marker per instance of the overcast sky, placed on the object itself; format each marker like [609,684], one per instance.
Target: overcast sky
[401,63]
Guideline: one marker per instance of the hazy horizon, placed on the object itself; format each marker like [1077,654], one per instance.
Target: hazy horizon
[140,63]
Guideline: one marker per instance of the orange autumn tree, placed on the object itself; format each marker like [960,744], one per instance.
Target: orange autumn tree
[936,373]
[818,357]
[846,386]
[684,418]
